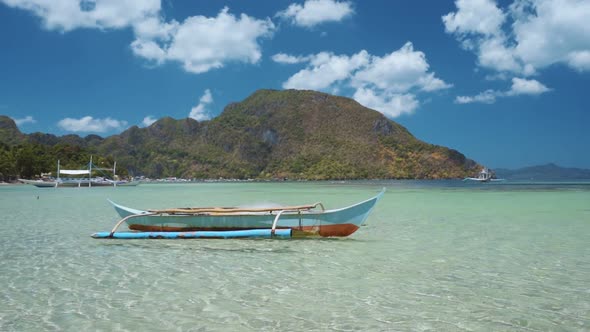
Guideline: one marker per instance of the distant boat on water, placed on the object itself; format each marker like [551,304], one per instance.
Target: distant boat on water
[485,175]
[88,181]
[79,182]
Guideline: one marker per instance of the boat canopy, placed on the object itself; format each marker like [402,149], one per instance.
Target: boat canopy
[74,171]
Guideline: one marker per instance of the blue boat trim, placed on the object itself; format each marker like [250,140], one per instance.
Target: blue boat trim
[250,233]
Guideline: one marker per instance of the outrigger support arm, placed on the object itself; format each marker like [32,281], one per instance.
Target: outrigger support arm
[274,223]
[127,218]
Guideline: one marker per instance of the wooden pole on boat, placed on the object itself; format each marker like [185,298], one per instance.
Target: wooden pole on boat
[115,174]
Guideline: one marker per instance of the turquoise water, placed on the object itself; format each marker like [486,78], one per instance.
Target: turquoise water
[434,256]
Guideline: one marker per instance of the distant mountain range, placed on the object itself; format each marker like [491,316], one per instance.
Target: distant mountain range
[291,134]
[543,172]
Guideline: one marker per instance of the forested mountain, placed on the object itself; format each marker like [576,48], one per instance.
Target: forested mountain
[271,134]
[544,172]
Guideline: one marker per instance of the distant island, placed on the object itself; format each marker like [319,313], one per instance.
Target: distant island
[272,134]
[546,172]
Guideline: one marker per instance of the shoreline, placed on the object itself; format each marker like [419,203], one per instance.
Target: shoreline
[452,180]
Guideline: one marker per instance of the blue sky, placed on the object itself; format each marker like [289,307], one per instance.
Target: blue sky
[504,82]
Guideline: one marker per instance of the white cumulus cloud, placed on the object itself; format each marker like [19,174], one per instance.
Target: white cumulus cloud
[388,84]
[399,71]
[314,12]
[325,69]
[288,59]
[486,97]
[521,39]
[199,43]
[90,124]
[203,43]
[199,112]
[390,104]
[474,16]
[67,15]
[26,119]
[149,50]
[148,120]
[154,27]
[547,32]
[525,37]
[520,86]
[579,60]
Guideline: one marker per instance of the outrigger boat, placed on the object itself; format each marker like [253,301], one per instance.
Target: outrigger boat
[80,181]
[229,222]
[485,175]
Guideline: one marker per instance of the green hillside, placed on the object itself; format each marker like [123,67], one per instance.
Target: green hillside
[273,134]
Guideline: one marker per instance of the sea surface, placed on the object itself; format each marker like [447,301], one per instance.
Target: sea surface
[433,256]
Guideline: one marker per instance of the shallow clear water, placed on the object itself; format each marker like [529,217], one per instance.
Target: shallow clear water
[434,256]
